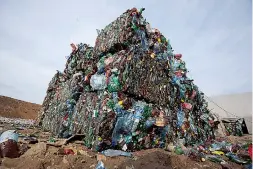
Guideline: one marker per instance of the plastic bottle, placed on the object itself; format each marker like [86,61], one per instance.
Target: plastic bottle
[156,48]
[137,117]
[113,153]
[149,123]
[235,158]
[178,150]
[249,166]
[214,158]
[100,165]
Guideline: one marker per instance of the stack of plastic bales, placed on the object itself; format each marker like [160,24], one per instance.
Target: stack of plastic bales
[130,92]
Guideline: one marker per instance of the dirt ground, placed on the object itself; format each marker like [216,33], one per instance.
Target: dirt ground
[150,159]
[42,155]
[45,156]
[14,108]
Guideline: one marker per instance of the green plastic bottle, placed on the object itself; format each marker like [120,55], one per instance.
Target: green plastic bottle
[178,150]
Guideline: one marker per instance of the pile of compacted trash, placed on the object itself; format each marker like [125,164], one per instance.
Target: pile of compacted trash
[129,92]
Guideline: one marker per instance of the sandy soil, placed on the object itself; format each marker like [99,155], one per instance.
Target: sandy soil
[44,156]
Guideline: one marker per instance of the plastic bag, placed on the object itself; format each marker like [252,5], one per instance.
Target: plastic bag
[98,82]
[123,125]
[9,135]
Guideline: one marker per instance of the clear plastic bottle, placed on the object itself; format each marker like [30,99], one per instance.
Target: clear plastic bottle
[100,165]
[137,117]
[113,153]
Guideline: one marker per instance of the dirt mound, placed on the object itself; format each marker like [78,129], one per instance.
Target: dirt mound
[155,159]
[14,108]
[150,160]
[48,155]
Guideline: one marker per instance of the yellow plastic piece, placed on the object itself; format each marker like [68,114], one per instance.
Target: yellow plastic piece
[218,152]
[121,102]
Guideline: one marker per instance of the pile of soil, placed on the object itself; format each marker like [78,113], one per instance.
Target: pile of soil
[13,108]
[43,155]
[156,159]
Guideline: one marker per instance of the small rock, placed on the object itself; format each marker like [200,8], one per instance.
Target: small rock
[38,149]
[101,157]
[93,166]
[83,153]
[135,158]
[64,160]
[132,167]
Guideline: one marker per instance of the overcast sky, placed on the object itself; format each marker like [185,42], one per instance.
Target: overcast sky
[214,37]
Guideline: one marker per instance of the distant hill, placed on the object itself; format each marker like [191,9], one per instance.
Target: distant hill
[13,108]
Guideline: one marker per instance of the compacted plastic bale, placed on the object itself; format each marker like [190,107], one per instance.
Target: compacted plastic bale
[129,92]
